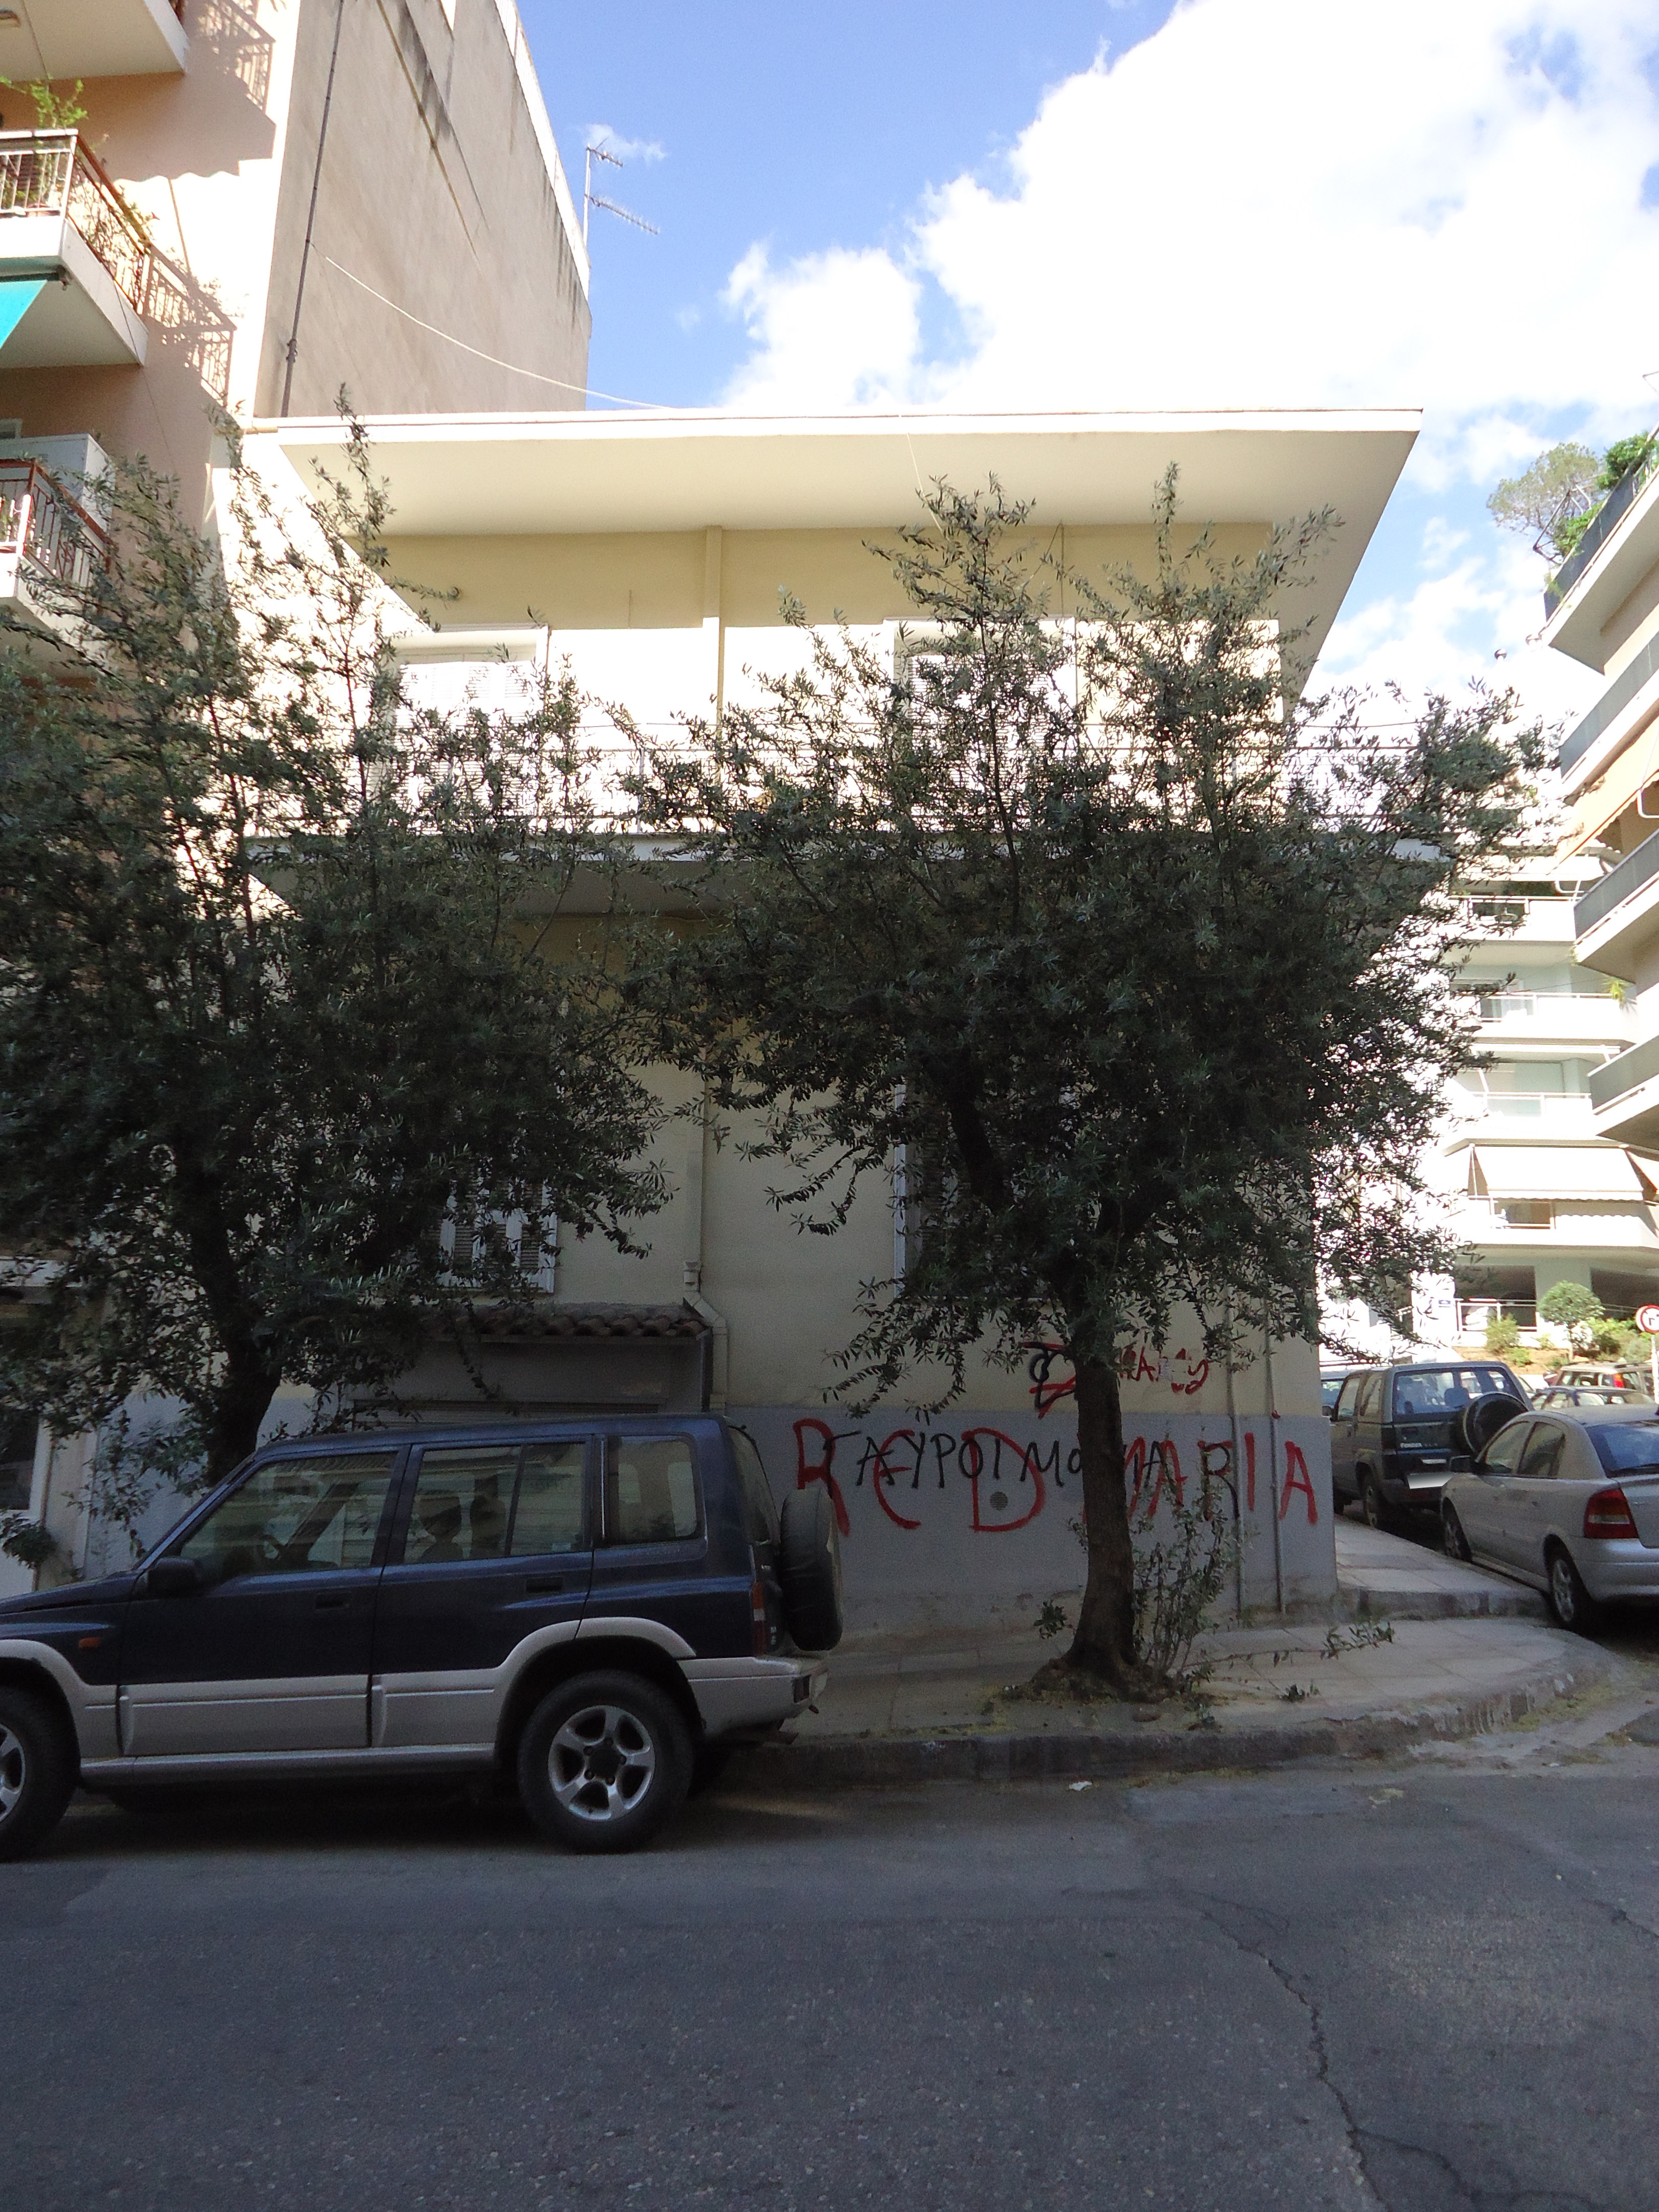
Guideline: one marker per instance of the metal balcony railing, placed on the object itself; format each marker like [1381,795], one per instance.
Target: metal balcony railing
[1631,874]
[1608,517]
[52,532]
[53,172]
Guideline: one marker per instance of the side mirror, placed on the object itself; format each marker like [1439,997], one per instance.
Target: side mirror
[174,1578]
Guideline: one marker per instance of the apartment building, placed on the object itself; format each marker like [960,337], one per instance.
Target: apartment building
[654,549]
[1603,608]
[246,205]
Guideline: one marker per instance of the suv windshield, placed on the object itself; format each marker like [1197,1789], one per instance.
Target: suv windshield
[1632,1444]
[1425,1391]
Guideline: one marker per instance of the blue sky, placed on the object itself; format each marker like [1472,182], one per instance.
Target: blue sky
[1223,202]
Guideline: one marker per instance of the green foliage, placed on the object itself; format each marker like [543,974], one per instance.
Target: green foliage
[1552,501]
[26,1541]
[1182,1572]
[1574,1308]
[1051,1619]
[1625,456]
[1132,960]
[53,110]
[1503,1336]
[281,988]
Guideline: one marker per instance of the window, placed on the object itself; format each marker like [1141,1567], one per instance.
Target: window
[1425,1392]
[1344,1404]
[650,1491]
[1371,1397]
[295,1516]
[1621,1451]
[1525,1212]
[1542,1457]
[17,1435]
[550,1516]
[473,1503]
[761,1507]
[463,1501]
[1502,1453]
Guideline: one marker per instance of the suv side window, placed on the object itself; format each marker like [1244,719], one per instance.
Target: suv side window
[650,1491]
[295,1516]
[761,1510]
[1371,1396]
[1345,1403]
[486,1502]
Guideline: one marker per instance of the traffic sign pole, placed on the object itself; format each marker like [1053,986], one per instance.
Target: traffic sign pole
[1647,1320]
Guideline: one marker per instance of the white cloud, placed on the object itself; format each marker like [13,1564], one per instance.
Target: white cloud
[625,150]
[836,330]
[1289,203]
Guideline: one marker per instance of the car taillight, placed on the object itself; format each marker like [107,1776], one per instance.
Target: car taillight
[1607,1514]
[757,1614]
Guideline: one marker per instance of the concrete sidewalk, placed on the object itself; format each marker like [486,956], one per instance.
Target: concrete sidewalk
[1462,1653]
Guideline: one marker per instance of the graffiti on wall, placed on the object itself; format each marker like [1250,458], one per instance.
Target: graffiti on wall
[999,1485]
[1186,1373]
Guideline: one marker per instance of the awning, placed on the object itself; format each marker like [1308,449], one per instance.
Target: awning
[1556,1171]
[1636,768]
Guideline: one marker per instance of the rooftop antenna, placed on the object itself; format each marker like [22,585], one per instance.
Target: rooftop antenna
[591,199]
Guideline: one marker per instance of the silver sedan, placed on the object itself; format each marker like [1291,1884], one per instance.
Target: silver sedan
[1568,1502]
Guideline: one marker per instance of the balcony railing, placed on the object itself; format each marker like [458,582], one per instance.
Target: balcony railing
[53,172]
[1474,1314]
[52,532]
[1619,883]
[1606,518]
[1611,704]
[1624,1073]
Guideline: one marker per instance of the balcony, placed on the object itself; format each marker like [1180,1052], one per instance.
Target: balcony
[1606,518]
[51,547]
[67,38]
[1522,1112]
[1519,920]
[76,263]
[1616,916]
[1554,1017]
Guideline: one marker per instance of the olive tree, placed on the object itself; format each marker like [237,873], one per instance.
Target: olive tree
[1136,956]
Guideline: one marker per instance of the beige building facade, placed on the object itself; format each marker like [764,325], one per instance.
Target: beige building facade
[654,553]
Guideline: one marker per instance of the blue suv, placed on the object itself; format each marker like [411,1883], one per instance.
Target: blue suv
[595,1610]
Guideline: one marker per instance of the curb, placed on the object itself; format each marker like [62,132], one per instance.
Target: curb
[875,1762]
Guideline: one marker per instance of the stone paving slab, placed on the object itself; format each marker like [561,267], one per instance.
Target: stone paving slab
[1378,1574]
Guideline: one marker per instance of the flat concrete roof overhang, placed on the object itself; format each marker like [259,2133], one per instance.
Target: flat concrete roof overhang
[578,474]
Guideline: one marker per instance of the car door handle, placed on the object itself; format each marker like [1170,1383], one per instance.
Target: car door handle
[333,1604]
[541,1585]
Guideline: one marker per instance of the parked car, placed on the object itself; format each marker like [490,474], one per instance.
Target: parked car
[1331,1380]
[1569,1504]
[1579,1394]
[1624,1374]
[594,1610]
[1398,1432]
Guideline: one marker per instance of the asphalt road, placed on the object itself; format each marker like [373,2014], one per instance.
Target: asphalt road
[1414,1987]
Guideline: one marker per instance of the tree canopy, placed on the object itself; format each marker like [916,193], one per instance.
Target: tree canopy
[279,989]
[1134,962]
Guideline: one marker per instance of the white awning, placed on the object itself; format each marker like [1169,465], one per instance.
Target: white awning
[1606,1172]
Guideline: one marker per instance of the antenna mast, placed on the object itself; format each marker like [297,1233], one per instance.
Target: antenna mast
[591,199]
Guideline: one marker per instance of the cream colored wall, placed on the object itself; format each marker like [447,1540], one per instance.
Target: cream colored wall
[434,192]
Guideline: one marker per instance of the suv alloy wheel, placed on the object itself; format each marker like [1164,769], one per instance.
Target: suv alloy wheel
[37,1771]
[604,1762]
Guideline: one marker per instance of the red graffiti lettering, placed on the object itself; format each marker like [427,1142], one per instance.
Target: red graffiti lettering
[821,1470]
[1297,1478]
[882,1474]
[971,1458]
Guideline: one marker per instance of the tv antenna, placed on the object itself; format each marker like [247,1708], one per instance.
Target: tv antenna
[591,199]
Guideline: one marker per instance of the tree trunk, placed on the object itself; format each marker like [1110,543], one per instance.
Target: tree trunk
[1104,1645]
[239,1404]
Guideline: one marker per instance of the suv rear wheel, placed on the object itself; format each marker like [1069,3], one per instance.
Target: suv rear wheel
[604,1763]
[1379,1514]
[37,1771]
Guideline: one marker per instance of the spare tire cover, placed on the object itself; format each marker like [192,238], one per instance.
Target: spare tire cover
[1480,1422]
[809,1567]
